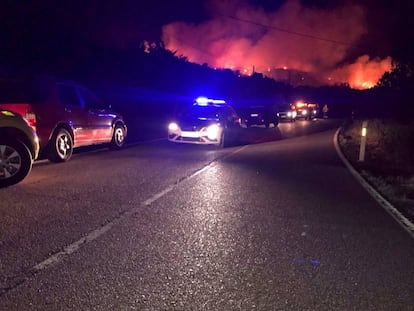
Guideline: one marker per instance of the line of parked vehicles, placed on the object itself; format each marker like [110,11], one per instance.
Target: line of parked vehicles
[51,117]
[214,122]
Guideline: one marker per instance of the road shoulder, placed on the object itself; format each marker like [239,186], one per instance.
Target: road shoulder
[383,202]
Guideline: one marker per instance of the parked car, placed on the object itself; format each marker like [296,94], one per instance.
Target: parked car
[64,114]
[287,113]
[305,110]
[259,115]
[206,121]
[19,147]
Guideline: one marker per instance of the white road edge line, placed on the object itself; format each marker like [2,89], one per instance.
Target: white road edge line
[389,208]
[93,235]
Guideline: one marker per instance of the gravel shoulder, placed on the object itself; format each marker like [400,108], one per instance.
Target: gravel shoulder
[388,165]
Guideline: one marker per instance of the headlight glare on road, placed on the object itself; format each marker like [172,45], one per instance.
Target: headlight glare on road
[213,131]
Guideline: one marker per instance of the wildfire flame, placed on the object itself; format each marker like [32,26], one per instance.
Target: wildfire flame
[364,73]
[291,44]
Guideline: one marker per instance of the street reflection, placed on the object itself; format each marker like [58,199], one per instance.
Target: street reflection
[202,257]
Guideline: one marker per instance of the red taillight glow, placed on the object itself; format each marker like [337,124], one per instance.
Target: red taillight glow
[30,118]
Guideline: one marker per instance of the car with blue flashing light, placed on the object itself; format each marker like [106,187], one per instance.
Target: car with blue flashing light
[206,122]
[19,147]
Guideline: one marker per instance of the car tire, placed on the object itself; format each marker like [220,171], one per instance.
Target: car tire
[16,162]
[118,138]
[60,146]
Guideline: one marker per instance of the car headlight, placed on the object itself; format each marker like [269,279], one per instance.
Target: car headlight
[304,112]
[294,114]
[213,131]
[173,127]
[289,114]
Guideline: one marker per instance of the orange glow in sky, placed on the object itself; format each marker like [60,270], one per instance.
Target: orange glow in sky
[233,43]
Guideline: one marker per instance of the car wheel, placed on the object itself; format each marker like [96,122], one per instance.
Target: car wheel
[15,162]
[61,146]
[118,138]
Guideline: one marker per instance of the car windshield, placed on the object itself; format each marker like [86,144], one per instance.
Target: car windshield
[201,112]
[285,107]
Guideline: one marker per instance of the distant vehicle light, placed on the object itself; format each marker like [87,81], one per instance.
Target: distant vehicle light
[294,113]
[289,114]
[173,126]
[213,131]
[304,112]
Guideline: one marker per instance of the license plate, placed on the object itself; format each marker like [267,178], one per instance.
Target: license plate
[190,134]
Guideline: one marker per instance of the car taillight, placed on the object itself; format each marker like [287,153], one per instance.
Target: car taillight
[30,118]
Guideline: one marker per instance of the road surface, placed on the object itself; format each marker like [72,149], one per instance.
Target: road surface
[274,224]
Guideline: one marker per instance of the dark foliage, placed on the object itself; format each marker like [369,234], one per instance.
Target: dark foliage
[160,71]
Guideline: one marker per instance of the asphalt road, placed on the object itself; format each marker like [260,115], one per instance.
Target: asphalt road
[277,223]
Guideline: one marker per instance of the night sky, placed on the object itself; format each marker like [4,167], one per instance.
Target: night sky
[31,30]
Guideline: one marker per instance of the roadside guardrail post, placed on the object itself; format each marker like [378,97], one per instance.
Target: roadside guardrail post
[363,141]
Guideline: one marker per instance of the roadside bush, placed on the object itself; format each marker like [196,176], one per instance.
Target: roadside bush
[389,160]
[389,149]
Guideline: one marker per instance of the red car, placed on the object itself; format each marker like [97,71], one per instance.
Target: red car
[64,114]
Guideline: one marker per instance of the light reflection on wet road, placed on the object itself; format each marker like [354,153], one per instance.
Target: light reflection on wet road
[279,225]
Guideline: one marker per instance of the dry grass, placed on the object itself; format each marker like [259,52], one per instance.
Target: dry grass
[389,159]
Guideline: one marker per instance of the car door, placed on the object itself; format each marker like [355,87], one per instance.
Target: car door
[100,119]
[74,113]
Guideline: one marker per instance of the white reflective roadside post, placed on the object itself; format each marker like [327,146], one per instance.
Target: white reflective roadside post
[363,141]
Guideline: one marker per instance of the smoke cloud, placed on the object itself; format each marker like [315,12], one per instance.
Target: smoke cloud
[310,44]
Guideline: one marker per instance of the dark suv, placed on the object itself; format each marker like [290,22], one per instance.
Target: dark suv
[19,147]
[259,115]
[64,114]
